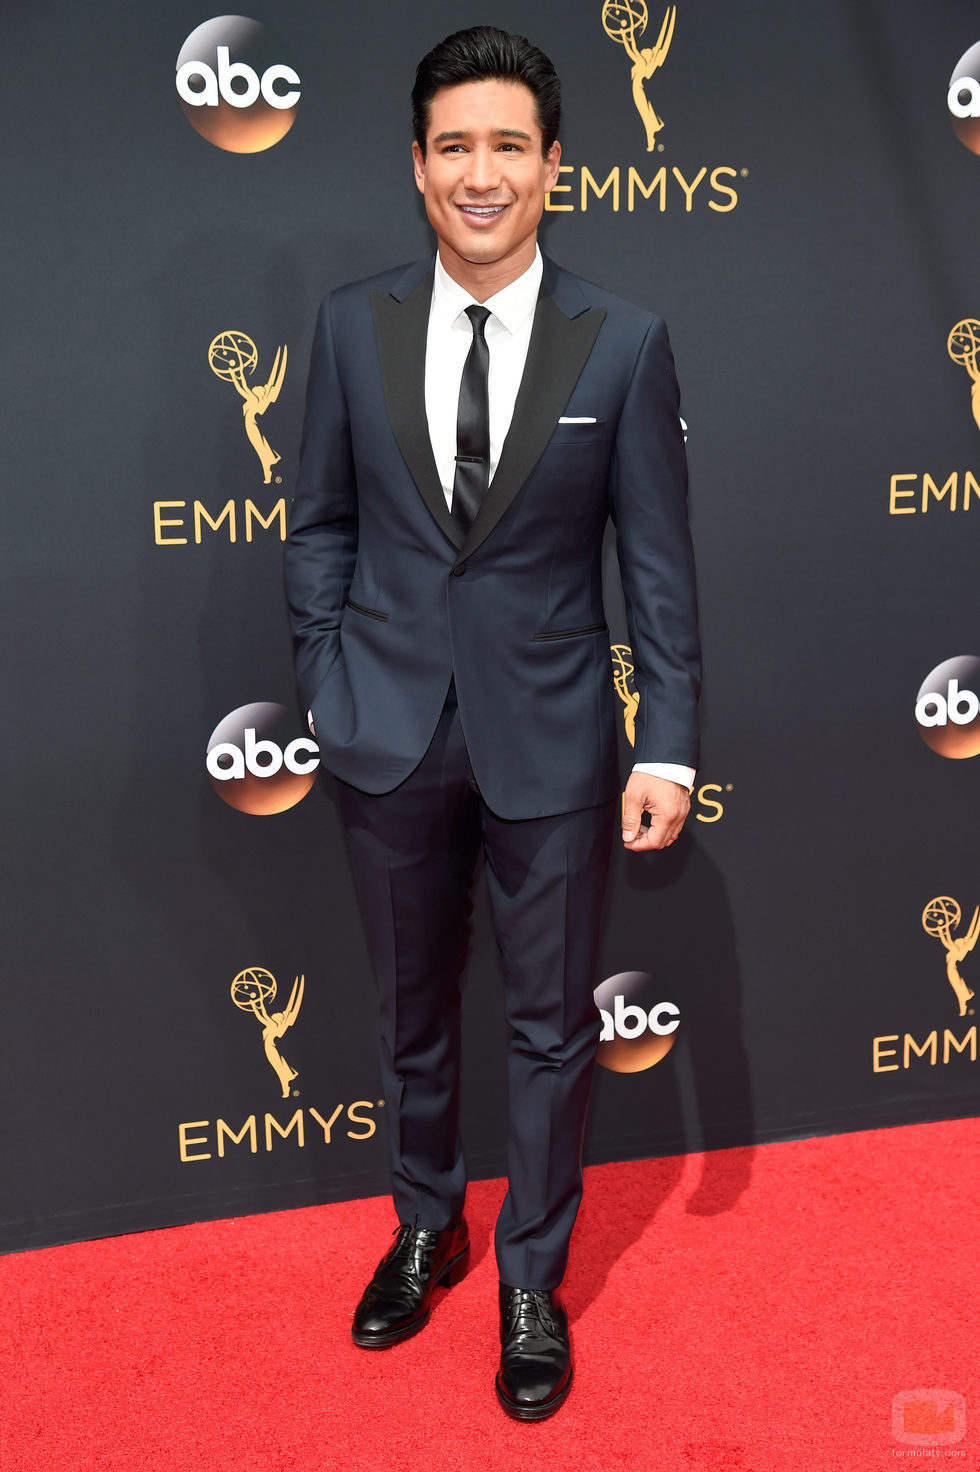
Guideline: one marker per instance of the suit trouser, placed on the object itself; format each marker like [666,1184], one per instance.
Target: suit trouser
[413,853]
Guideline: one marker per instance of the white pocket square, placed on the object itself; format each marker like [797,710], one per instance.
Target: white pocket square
[585,419]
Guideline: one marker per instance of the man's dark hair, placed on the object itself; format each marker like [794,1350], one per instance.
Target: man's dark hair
[486,54]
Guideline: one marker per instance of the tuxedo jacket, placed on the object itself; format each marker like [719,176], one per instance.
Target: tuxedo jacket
[389,601]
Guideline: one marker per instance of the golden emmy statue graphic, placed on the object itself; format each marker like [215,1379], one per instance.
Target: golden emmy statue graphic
[623,21]
[963,345]
[250,991]
[940,918]
[622,661]
[233,355]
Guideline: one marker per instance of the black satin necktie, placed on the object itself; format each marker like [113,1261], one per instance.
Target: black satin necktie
[473,427]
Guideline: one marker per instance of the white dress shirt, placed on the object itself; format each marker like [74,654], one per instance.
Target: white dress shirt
[508,334]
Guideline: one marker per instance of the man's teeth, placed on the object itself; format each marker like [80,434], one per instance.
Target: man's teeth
[481,209]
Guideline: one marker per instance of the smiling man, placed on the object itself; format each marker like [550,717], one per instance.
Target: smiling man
[472,423]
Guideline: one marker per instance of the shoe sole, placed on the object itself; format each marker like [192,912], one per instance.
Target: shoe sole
[451,1274]
[539,1412]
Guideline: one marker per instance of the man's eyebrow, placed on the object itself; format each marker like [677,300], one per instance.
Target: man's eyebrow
[459,133]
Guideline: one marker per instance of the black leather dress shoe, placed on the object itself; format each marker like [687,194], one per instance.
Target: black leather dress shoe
[395,1304]
[535,1361]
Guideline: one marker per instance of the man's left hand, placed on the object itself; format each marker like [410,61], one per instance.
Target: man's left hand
[668,804]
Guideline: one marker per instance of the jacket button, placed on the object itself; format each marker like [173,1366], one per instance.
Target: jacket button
[458,571]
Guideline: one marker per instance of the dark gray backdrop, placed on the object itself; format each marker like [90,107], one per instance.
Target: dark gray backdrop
[809,324]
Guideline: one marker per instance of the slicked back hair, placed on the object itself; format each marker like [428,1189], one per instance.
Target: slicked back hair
[486,54]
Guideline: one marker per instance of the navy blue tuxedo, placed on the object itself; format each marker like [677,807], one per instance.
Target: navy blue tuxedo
[389,600]
[462,694]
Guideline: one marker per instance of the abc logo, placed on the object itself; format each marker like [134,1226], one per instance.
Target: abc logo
[947,708]
[637,1027]
[233,86]
[963,99]
[257,763]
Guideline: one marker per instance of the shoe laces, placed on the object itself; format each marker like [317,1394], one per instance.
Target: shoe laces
[529,1309]
[412,1251]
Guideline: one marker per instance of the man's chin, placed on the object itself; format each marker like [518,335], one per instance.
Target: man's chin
[484,249]
[482,240]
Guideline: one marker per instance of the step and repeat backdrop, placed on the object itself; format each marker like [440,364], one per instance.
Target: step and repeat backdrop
[189,1019]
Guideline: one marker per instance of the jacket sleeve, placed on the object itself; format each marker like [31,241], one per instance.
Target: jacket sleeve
[322,543]
[648,495]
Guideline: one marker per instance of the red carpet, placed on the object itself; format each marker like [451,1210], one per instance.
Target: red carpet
[749,1309]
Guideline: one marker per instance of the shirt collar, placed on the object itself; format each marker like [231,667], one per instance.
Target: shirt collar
[511,307]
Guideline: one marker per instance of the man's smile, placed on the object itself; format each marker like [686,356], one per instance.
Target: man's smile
[483,211]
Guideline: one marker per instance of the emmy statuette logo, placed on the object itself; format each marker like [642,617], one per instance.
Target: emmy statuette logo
[269,1131]
[232,356]
[622,661]
[897,1052]
[623,21]
[912,493]
[940,918]
[250,991]
[641,182]
[706,804]
[963,345]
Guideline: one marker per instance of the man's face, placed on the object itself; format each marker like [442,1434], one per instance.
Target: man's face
[484,177]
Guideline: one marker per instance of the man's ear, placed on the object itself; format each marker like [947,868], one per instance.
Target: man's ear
[418,159]
[552,159]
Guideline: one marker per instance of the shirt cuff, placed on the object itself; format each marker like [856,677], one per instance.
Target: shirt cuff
[684,776]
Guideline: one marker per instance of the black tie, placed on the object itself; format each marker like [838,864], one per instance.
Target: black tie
[473,427]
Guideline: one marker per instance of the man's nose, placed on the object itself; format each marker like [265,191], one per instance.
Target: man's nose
[483,171]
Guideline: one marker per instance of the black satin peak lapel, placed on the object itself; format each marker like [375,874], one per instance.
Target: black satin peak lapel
[557,353]
[400,329]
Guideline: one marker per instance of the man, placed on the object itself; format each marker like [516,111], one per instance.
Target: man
[471,424]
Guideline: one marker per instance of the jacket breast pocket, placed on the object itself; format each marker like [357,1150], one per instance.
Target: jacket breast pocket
[580,433]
